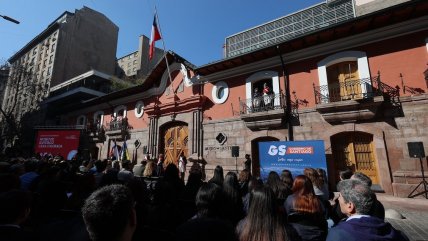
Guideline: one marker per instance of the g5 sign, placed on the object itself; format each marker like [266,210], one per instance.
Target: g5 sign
[294,156]
[282,150]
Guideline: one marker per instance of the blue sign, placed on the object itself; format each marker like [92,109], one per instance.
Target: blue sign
[294,156]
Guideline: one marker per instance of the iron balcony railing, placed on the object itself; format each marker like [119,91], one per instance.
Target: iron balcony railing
[353,89]
[118,124]
[262,103]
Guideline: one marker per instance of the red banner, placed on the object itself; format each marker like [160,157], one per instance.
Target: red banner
[62,142]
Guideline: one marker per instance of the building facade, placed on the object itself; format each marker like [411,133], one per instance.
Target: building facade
[72,44]
[358,85]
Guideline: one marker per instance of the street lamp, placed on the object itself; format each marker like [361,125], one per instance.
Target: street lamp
[10,19]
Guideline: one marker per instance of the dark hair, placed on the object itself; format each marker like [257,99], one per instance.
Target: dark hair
[362,177]
[313,175]
[287,178]
[13,206]
[274,182]
[218,177]
[106,212]
[305,200]
[345,174]
[231,187]
[263,221]
[209,200]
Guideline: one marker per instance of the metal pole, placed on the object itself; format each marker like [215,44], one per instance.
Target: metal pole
[288,115]
[9,19]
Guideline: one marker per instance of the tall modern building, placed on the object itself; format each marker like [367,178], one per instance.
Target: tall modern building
[72,44]
[137,63]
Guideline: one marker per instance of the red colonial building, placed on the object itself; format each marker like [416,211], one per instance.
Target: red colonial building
[359,84]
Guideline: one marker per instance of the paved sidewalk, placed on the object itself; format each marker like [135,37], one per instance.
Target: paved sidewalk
[415,212]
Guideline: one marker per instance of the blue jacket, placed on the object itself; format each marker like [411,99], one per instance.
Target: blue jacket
[364,228]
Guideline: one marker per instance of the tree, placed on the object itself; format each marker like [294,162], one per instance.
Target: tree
[23,93]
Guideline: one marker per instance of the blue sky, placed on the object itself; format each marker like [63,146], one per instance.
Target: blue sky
[195,29]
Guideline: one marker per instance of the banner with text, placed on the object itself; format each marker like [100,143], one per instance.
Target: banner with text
[291,155]
[62,142]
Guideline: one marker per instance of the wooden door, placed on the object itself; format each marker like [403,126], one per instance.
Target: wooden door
[354,150]
[175,142]
[343,81]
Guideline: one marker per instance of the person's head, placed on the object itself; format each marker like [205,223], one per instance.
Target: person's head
[14,207]
[287,178]
[160,157]
[305,200]
[263,221]
[313,175]
[218,174]
[363,178]
[209,200]
[150,169]
[244,176]
[345,174]
[355,197]
[171,172]
[115,165]
[247,156]
[100,165]
[126,164]
[231,179]
[302,185]
[109,214]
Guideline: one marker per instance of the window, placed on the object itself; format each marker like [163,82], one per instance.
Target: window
[34,50]
[139,109]
[258,79]
[53,47]
[50,59]
[45,62]
[341,70]
[135,62]
[220,92]
[129,64]
[120,111]
[49,70]
[81,120]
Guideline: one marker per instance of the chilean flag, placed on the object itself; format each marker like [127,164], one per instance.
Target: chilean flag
[154,37]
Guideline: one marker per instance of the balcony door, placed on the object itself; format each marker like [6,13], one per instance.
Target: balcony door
[343,81]
[354,150]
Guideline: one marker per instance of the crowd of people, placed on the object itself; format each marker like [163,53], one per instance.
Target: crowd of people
[48,198]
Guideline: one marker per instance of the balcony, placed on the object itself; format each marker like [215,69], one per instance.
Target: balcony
[353,100]
[119,126]
[263,112]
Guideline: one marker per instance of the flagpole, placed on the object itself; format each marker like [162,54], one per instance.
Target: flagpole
[163,45]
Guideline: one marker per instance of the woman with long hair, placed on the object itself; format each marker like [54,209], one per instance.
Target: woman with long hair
[305,212]
[233,206]
[317,182]
[218,177]
[278,187]
[263,222]
[287,178]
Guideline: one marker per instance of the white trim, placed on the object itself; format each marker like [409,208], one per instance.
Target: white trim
[259,76]
[216,88]
[362,62]
[137,106]
[119,108]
